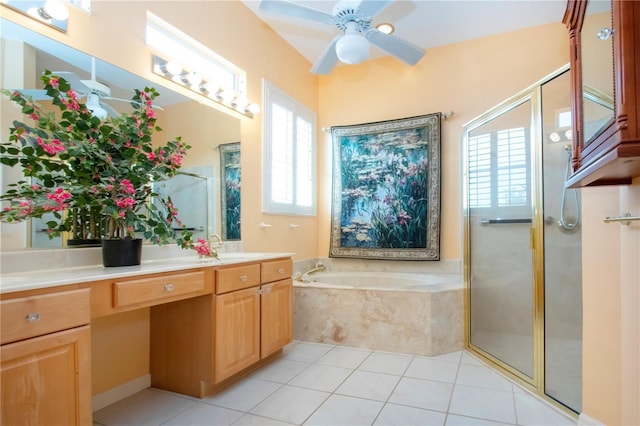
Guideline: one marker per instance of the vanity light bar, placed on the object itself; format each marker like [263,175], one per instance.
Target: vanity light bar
[171,70]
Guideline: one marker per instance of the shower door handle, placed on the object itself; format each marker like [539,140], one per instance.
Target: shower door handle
[532,238]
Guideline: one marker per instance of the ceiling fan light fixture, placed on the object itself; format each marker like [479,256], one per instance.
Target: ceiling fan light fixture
[352,49]
[385,28]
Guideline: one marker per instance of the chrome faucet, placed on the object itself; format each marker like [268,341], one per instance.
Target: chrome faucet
[215,242]
[305,277]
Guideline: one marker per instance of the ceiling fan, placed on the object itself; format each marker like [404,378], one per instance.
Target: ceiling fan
[93,90]
[353,18]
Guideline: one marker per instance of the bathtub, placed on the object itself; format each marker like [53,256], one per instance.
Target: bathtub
[383,281]
[419,312]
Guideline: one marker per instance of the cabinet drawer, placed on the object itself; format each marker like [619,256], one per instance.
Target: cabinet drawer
[31,316]
[237,278]
[154,290]
[276,270]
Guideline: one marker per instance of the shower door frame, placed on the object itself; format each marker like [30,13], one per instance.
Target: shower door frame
[532,93]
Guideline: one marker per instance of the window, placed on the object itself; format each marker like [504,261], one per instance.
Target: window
[499,169]
[289,155]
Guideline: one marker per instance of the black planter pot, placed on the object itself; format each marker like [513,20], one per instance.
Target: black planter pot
[125,252]
[84,243]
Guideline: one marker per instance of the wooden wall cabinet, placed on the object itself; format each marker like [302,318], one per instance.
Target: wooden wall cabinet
[46,358]
[611,154]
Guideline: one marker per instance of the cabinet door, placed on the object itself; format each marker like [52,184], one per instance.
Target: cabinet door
[237,342]
[47,379]
[276,316]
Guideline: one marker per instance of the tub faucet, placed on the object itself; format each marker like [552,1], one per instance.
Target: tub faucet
[305,277]
[215,242]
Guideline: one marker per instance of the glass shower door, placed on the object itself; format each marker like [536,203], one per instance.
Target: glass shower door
[499,209]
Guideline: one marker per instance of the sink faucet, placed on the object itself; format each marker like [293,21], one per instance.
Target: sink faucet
[215,242]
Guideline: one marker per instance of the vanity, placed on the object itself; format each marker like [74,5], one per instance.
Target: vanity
[210,324]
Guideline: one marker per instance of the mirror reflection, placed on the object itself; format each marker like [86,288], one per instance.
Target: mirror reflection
[597,68]
[196,192]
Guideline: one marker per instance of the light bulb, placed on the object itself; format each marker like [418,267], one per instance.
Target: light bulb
[352,49]
[173,68]
[55,9]
[253,108]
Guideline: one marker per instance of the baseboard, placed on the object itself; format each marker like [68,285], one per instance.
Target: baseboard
[120,392]
[584,420]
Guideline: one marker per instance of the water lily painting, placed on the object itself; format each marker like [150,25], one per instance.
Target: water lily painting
[386,189]
[230,191]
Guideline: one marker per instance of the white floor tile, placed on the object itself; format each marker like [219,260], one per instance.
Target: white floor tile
[483,377]
[307,352]
[290,404]
[120,405]
[321,377]
[244,395]
[365,384]
[205,414]
[467,358]
[455,420]
[449,357]
[322,384]
[394,415]
[280,370]
[532,411]
[344,357]
[253,420]
[340,410]
[422,394]
[429,369]
[386,363]
[483,403]
[154,409]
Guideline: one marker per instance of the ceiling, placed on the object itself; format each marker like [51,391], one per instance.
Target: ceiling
[424,23]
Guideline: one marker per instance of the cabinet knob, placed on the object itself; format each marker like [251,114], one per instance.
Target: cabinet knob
[281,271]
[243,277]
[169,287]
[33,317]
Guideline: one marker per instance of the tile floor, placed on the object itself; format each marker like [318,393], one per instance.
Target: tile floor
[318,384]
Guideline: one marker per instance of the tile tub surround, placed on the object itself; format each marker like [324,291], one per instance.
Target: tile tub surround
[414,322]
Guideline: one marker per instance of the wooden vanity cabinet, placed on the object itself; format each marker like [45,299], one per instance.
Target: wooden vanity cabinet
[46,357]
[200,345]
[255,322]
[611,155]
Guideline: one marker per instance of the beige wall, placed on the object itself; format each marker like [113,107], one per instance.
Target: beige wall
[467,78]
[611,301]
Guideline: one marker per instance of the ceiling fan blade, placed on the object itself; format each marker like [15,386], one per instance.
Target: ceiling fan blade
[399,48]
[75,82]
[129,101]
[294,9]
[35,94]
[370,8]
[328,59]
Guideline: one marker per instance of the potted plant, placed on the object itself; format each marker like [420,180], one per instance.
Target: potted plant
[76,164]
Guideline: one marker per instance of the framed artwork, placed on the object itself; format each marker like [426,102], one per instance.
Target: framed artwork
[386,189]
[230,190]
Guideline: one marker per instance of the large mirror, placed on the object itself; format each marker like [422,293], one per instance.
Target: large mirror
[196,192]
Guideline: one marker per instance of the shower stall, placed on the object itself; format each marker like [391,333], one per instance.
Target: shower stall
[523,241]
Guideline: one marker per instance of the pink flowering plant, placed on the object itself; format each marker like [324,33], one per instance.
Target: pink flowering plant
[74,162]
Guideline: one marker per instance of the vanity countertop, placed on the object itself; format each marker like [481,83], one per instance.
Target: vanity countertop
[29,280]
